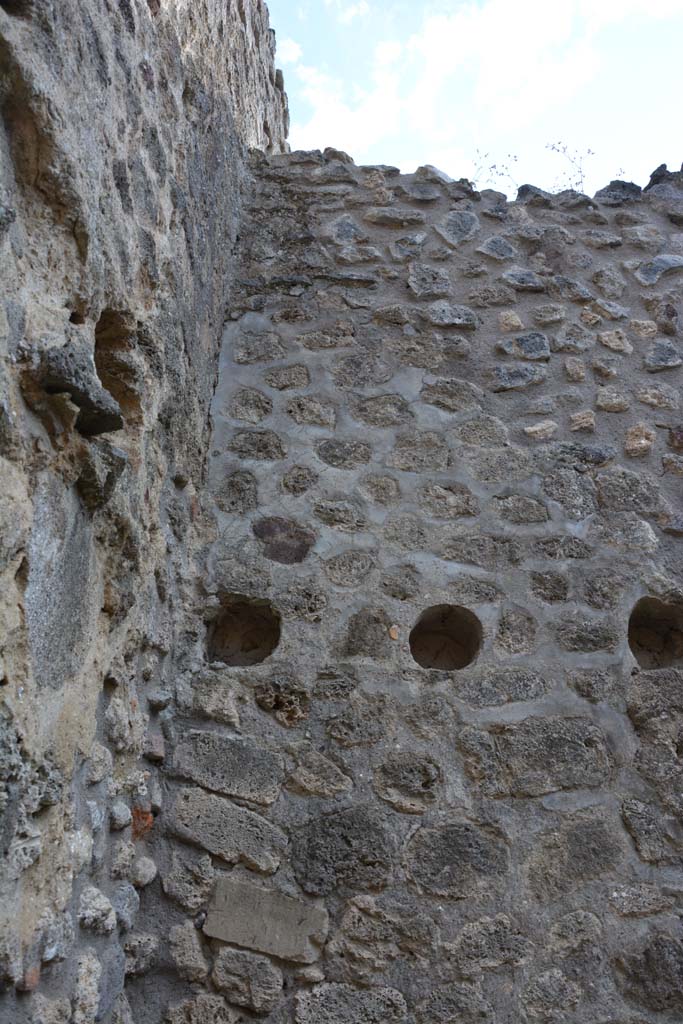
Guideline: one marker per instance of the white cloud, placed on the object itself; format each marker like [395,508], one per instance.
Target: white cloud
[288,51]
[353,123]
[346,13]
[510,75]
[599,15]
[388,52]
[488,75]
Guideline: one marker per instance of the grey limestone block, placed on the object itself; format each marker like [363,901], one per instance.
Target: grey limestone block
[267,921]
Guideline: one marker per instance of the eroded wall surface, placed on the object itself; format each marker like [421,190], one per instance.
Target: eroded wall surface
[341,621]
[123,139]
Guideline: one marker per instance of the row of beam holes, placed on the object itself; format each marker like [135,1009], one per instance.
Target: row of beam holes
[446,637]
[246,632]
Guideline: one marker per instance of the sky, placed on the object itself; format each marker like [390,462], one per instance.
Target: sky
[482,89]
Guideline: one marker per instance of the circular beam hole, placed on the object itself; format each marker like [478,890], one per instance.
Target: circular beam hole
[245,632]
[446,637]
[655,633]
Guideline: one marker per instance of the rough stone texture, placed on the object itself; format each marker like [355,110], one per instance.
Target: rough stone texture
[232,766]
[494,446]
[186,952]
[124,130]
[247,979]
[204,1009]
[456,860]
[424,396]
[340,1003]
[226,830]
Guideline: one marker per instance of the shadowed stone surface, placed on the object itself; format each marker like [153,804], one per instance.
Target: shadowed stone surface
[347,850]
[247,979]
[456,860]
[265,417]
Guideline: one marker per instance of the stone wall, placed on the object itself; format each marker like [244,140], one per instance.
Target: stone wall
[436,714]
[123,138]
[341,660]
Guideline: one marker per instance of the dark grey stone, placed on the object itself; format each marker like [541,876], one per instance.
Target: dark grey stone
[346,851]
[662,355]
[457,860]
[538,756]
[653,977]
[652,270]
[533,346]
[284,540]
[459,226]
[523,280]
[517,378]
[619,193]
[498,248]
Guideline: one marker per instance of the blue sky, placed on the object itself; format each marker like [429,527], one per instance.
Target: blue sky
[467,84]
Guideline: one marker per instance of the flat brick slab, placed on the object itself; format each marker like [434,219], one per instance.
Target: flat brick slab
[267,921]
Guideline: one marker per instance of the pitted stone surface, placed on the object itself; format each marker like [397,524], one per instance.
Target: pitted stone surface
[425,396]
[232,833]
[494,444]
[122,125]
[538,756]
[340,1003]
[232,766]
[247,979]
[347,850]
[457,860]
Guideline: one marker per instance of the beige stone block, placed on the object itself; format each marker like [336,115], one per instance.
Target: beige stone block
[267,921]
[615,340]
[639,439]
[575,369]
[611,400]
[583,421]
[510,321]
[644,328]
[542,431]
